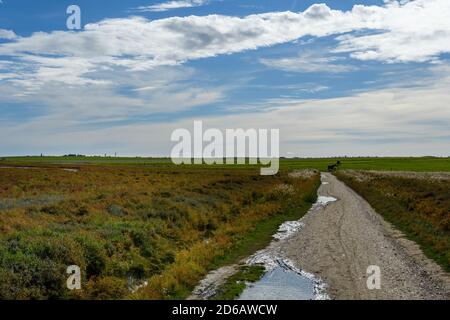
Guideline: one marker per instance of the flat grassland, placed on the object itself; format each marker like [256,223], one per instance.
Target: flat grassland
[425,164]
[127,226]
[145,223]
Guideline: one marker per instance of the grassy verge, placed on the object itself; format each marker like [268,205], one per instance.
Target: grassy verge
[417,207]
[261,234]
[258,238]
[237,283]
[232,242]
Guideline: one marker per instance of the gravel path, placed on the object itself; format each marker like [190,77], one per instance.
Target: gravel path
[341,240]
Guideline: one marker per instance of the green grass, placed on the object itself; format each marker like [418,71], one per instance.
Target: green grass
[261,235]
[237,283]
[79,160]
[364,163]
[395,164]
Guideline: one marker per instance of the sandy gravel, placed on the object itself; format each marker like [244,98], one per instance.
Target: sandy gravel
[339,242]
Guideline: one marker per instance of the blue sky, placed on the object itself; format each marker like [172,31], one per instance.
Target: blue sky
[336,77]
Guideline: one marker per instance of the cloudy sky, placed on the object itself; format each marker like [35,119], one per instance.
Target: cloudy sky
[353,77]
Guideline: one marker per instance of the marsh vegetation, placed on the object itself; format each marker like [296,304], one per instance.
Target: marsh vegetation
[127,226]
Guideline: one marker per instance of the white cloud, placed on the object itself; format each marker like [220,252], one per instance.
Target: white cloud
[315,89]
[169,5]
[388,122]
[308,62]
[113,96]
[79,78]
[7,34]
[418,30]
[408,31]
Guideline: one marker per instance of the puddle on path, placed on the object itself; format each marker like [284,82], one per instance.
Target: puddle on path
[323,200]
[283,281]
[280,284]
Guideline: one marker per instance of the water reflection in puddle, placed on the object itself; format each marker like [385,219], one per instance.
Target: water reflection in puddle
[283,281]
[280,284]
[323,200]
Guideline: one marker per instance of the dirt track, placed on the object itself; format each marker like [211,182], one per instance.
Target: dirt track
[339,242]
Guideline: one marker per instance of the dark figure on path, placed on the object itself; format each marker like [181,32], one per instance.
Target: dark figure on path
[334,167]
